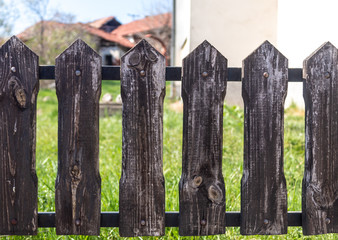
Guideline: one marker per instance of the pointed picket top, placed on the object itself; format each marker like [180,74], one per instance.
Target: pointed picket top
[77,46]
[141,56]
[80,49]
[325,54]
[17,43]
[210,63]
[204,45]
[266,46]
[325,48]
[150,52]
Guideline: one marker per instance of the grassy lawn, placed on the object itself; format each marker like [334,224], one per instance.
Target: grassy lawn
[110,163]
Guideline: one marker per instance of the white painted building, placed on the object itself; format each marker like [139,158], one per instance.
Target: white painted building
[236,28]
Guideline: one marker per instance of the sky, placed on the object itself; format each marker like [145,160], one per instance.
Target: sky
[89,10]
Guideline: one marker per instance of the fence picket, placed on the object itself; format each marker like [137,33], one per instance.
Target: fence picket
[142,195]
[78,183]
[202,191]
[19,86]
[320,183]
[264,196]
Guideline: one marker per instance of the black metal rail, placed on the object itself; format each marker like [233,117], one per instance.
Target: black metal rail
[111,219]
[172,73]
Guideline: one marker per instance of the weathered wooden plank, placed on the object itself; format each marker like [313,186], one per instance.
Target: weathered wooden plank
[19,86]
[142,195]
[320,183]
[264,196]
[202,191]
[78,182]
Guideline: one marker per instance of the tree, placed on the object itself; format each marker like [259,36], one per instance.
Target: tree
[51,35]
[5,26]
[38,8]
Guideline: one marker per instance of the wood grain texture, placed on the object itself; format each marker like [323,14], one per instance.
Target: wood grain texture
[320,183]
[264,196]
[142,194]
[78,182]
[19,86]
[202,191]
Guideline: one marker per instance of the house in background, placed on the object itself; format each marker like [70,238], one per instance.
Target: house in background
[108,36]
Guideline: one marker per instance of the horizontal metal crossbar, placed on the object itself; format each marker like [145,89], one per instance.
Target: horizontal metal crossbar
[111,219]
[172,73]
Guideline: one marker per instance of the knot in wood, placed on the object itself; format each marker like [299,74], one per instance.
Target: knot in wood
[215,194]
[135,59]
[198,181]
[150,55]
[75,171]
[20,97]
[18,92]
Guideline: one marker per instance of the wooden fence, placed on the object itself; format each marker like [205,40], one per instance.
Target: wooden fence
[78,74]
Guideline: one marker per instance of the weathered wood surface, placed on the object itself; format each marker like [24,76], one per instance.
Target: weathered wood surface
[78,183]
[320,183]
[19,86]
[142,194]
[202,191]
[264,196]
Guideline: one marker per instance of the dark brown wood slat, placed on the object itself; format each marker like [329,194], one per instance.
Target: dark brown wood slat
[142,195]
[78,183]
[19,86]
[320,183]
[202,191]
[264,196]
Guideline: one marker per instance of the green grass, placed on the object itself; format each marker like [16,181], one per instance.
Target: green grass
[110,163]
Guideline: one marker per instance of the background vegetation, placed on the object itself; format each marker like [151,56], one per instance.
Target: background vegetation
[110,163]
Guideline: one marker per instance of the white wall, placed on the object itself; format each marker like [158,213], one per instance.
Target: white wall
[114,51]
[182,32]
[235,28]
[303,26]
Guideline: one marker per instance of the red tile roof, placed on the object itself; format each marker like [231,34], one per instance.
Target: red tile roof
[143,25]
[108,36]
[99,22]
